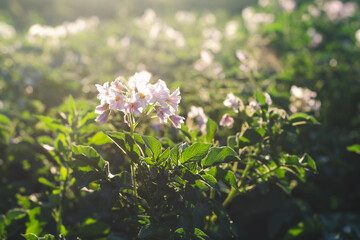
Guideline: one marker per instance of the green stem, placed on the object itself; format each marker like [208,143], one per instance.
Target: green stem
[61,203]
[133,175]
[233,193]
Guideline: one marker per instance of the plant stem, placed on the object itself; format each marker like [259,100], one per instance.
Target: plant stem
[233,193]
[133,175]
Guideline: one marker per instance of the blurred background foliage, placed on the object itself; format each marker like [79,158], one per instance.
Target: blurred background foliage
[37,76]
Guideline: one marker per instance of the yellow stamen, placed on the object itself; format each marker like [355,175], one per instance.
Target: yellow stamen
[117,98]
[142,96]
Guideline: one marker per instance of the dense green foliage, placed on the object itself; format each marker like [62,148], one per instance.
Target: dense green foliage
[295,73]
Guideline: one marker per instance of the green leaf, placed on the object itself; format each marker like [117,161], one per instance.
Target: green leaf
[175,152]
[211,127]
[211,180]
[49,236]
[249,137]
[126,143]
[153,231]
[164,155]
[308,161]
[36,221]
[354,148]
[224,175]
[54,124]
[219,155]
[30,236]
[200,234]
[71,106]
[98,139]
[231,142]
[61,144]
[46,182]
[89,177]
[301,118]
[92,228]
[154,145]
[88,155]
[15,214]
[2,226]
[4,120]
[260,98]
[195,152]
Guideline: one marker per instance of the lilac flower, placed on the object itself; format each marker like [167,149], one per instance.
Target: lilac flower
[104,92]
[197,113]
[133,107]
[268,99]
[226,121]
[133,98]
[174,100]
[176,120]
[102,118]
[118,85]
[102,108]
[160,93]
[254,105]
[116,101]
[232,102]
[163,113]
[139,80]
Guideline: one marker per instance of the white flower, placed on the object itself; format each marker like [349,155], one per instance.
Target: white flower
[163,114]
[176,120]
[174,100]
[226,121]
[232,102]
[268,99]
[160,93]
[197,113]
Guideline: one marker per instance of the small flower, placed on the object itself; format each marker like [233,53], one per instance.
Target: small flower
[102,118]
[268,99]
[174,100]
[232,102]
[163,113]
[134,107]
[197,113]
[118,85]
[176,120]
[116,101]
[139,81]
[102,108]
[226,121]
[160,93]
[104,92]
[254,105]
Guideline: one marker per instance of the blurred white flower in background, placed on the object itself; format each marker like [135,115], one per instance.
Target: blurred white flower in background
[264,3]
[231,29]
[208,19]
[196,116]
[253,19]
[314,11]
[357,35]
[63,30]
[303,99]
[7,31]
[158,30]
[288,5]
[185,17]
[337,10]
[316,38]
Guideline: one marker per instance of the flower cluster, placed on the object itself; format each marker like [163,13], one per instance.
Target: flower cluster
[303,99]
[137,98]
[237,105]
[197,116]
